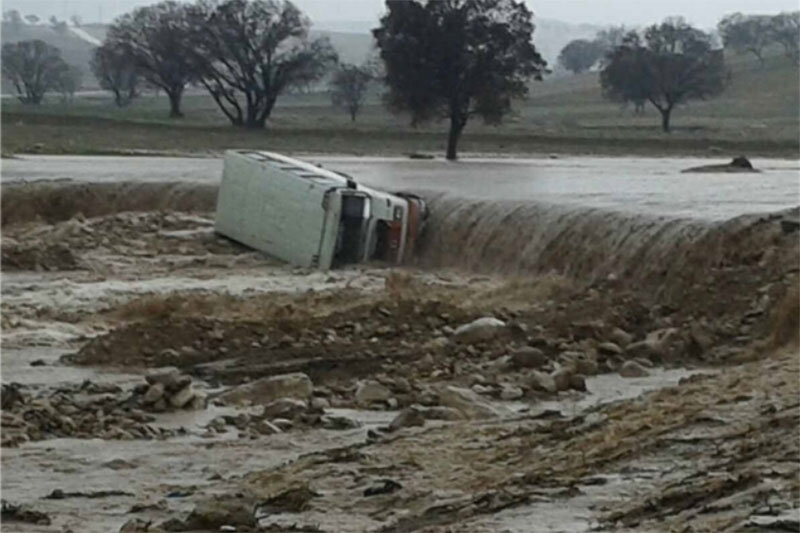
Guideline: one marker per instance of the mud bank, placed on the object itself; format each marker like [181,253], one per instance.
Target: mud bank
[57,201]
[536,367]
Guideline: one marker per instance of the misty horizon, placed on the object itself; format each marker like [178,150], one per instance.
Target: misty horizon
[358,15]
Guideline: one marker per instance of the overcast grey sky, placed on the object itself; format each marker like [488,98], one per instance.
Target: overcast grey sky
[704,13]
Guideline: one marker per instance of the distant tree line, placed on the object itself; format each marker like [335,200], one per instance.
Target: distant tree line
[35,68]
[754,33]
[740,33]
[450,60]
[580,55]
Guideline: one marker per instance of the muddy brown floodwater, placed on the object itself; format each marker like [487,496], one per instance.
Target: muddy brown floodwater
[561,356]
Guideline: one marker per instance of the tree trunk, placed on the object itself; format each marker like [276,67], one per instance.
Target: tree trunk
[456,126]
[175,103]
[665,116]
[353,115]
[255,123]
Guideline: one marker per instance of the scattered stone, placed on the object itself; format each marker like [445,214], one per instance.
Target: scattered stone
[319,403]
[561,379]
[440,412]
[160,505]
[370,391]
[168,377]
[528,357]
[182,398]
[436,345]
[384,486]
[481,389]
[482,329]
[285,408]
[577,382]
[86,410]
[58,494]
[265,427]
[621,337]
[138,525]
[217,511]
[609,348]
[22,513]
[265,390]
[412,416]
[509,393]
[632,369]
[469,403]
[658,345]
[539,381]
[339,422]
[284,424]
[293,499]
[119,464]
[154,393]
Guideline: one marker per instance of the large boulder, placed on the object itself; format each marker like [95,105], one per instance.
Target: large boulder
[482,329]
[266,390]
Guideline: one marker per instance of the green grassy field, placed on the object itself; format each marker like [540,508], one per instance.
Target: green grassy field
[757,115]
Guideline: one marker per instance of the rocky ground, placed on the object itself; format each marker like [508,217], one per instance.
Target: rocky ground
[230,392]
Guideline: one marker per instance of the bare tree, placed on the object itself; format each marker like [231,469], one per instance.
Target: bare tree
[14,19]
[672,64]
[33,67]
[349,87]
[69,82]
[611,37]
[786,31]
[746,33]
[249,52]
[76,20]
[156,40]
[114,72]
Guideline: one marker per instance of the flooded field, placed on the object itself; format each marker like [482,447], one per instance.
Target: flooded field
[619,359]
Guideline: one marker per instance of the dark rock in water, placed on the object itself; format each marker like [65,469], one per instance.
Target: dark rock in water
[741,162]
[737,164]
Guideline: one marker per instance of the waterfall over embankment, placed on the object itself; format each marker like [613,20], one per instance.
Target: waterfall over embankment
[587,244]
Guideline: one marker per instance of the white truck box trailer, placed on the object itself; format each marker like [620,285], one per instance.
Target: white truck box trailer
[312,217]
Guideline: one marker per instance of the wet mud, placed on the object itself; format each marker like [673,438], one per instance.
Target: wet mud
[534,368]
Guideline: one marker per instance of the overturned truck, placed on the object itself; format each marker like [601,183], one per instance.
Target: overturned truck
[310,216]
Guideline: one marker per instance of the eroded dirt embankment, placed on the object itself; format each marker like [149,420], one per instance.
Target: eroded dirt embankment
[52,202]
[489,424]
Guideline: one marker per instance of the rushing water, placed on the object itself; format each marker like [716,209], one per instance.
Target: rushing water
[640,185]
